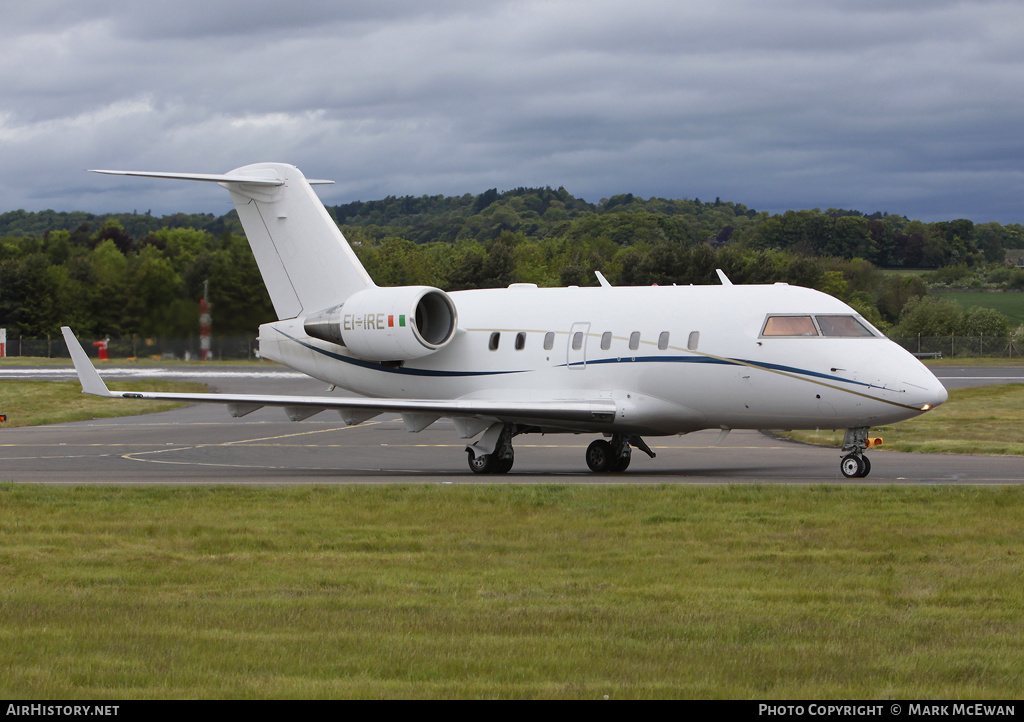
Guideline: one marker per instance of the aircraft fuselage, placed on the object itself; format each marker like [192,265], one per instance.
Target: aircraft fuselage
[675,359]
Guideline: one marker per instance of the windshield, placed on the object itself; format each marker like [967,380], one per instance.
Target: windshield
[832,325]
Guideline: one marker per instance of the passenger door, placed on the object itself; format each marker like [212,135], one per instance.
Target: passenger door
[577,351]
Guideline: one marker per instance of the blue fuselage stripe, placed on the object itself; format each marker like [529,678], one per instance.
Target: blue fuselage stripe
[408,371]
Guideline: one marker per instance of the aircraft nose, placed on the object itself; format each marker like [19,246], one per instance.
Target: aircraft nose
[923,389]
[941,395]
[935,394]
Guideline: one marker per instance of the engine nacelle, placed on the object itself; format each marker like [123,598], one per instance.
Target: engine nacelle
[388,324]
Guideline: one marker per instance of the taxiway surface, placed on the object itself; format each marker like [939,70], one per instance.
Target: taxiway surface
[202,444]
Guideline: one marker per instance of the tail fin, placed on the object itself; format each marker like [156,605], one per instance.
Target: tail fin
[305,261]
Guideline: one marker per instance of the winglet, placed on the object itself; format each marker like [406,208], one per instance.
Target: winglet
[87,374]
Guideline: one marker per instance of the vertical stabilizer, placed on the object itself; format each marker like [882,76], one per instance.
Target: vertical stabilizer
[305,261]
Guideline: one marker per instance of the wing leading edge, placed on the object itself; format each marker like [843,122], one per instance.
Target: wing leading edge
[561,413]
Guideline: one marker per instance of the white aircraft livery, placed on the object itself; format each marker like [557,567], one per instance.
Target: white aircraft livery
[621,363]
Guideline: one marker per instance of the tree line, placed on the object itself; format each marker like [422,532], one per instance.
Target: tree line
[126,274]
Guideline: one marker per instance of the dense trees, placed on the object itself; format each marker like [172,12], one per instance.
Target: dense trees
[135,273]
[152,288]
[942,317]
[891,241]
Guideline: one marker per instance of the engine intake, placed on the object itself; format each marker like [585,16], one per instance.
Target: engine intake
[388,324]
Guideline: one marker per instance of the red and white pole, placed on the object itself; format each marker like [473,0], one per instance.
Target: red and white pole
[205,321]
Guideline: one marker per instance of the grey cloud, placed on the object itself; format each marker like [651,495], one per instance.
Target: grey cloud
[905,106]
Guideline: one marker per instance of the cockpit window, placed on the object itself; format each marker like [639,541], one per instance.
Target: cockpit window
[835,326]
[842,326]
[789,326]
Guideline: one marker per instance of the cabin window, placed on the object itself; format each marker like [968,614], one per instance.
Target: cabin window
[520,341]
[847,326]
[663,341]
[606,340]
[634,341]
[549,340]
[789,326]
[577,341]
[693,340]
[495,339]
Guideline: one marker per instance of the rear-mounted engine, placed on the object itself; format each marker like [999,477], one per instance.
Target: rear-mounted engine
[388,324]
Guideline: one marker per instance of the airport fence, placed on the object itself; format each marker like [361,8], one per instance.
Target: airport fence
[963,346]
[222,348]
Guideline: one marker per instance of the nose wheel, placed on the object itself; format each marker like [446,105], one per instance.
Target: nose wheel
[855,466]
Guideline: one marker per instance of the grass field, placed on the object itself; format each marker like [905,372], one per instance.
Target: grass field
[31,403]
[1010,304]
[974,362]
[820,592]
[976,420]
[36,361]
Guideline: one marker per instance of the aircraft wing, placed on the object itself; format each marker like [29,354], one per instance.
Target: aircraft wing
[417,413]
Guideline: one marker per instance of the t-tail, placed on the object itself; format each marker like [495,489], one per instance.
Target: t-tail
[312,274]
[304,259]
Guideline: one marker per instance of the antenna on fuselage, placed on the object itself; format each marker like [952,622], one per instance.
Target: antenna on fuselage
[722,277]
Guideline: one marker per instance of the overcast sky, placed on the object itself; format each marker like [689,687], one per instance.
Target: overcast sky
[904,106]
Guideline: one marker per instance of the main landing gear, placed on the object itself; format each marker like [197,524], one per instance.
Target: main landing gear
[603,455]
[501,459]
[614,454]
[855,465]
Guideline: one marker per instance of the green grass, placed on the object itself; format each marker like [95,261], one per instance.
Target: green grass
[820,592]
[1008,303]
[974,362]
[31,403]
[35,361]
[975,420]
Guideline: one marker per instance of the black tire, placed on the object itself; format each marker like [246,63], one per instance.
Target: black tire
[867,467]
[504,464]
[483,464]
[599,456]
[853,466]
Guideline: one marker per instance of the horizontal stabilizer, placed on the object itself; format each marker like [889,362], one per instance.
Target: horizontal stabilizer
[269,180]
[208,177]
[306,263]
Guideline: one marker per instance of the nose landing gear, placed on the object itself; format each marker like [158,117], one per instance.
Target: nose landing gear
[855,465]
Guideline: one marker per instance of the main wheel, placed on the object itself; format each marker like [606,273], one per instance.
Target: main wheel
[483,464]
[504,464]
[854,466]
[599,456]
[620,464]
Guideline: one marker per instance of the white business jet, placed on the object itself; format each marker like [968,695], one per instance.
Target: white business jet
[619,362]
